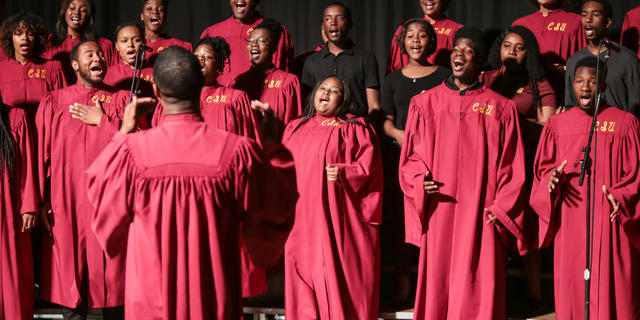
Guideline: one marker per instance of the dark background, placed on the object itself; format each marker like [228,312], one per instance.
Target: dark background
[374,20]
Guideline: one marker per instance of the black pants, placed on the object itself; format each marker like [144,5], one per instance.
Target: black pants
[80,312]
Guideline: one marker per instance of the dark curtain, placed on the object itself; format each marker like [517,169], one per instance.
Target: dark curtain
[374,20]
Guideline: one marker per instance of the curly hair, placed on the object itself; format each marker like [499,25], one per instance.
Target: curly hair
[533,66]
[8,154]
[221,50]
[431,32]
[274,28]
[24,20]
[60,32]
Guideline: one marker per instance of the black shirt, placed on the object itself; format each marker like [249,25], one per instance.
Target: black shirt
[398,90]
[358,68]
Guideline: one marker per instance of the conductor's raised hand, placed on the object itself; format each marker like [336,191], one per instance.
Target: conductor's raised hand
[270,124]
[134,111]
[91,115]
[555,176]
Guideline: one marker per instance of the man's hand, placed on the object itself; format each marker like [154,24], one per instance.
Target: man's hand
[332,172]
[270,124]
[430,186]
[91,115]
[555,176]
[45,212]
[28,221]
[134,111]
[615,205]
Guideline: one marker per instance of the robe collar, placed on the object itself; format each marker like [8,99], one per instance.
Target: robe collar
[477,85]
[183,117]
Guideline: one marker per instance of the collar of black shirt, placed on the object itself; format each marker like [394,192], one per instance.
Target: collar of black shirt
[348,50]
[452,85]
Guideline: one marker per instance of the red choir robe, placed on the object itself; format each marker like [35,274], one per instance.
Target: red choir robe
[471,144]
[280,89]
[615,275]
[298,62]
[162,43]
[332,256]
[67,147]
[3,56]
[120,75]
[445,30]
[174,197]
[19,197]
[61,53]
[24,85]
[630,36]
[224,108]
[235,32]
[559,36]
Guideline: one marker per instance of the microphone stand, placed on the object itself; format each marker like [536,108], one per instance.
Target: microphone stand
[585,170]
[137,71]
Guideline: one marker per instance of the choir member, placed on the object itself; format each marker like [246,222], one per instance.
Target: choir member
[298,62]
[630,36]
[445,29]
[224,108]
[462,172]
[341,57]
[74,25]
[561,204]
[26,77]
[559,34]
[332,256]
[128,38]
[235,30]
[519,75]
[75,272]
[153,15]
[623,76]
[18,208]
[263,82]
[173,198]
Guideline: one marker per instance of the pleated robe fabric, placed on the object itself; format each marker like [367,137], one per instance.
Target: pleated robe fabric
[332,256]
[615,274]
[174,196]
[19,196]
[470,142]
[66,148]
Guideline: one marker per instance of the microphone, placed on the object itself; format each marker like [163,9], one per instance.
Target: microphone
[610,44]
[145,47]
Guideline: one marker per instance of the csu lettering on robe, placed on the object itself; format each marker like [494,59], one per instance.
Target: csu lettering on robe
[66,149]
[470,143]
[174,197]
[332,256]
[24,85]
[18,196]
[235,33]
[615,276]
[162,43]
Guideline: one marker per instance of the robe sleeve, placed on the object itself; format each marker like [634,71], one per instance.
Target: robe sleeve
[247,125]
[57,78]
[158,115]
[395,54]
[44,120]
[266,193]
[361,173]
[110,191]
[626,188]
[629,35]
[284,55]
[28,183]
[294,101]
[508,206]
[412,170]
[543,202]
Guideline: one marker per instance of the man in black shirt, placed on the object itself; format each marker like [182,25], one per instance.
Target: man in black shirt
[340,57]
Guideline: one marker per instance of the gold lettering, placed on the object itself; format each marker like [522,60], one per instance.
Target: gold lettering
[42,73]
[209,99]
[223,99]
[612,126]
[278,83]
[489,109]
[94,99]
[557,27]
[550,26]
[475,106]
[30,73]
[266,83]
[604,127]
[563,27]
[448,31]
[216,99]
[108,99]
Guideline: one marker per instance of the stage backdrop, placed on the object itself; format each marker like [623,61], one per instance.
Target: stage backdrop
[374,20]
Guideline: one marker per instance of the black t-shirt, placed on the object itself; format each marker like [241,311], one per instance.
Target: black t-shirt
[398,90]
[358,68]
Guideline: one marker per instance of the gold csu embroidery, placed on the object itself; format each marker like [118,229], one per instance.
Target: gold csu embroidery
[101,98]
[443,30]
[37,73]
[216,99]
[330,123]
[483,108]
[607,126]
[557,26]
[272,83]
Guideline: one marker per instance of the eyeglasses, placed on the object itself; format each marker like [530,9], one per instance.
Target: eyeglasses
[260,41]
[204,57]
